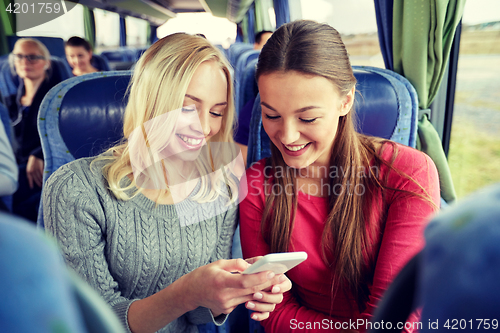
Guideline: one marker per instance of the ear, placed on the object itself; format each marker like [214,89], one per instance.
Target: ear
[347,102]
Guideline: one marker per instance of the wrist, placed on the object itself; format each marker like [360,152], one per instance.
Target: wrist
[188,300]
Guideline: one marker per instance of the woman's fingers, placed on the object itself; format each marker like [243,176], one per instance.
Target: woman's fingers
[259,316]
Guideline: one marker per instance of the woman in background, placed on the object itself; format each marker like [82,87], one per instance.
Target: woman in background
[30,60]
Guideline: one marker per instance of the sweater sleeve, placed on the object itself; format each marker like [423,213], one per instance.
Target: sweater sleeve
[406,217]
[74,215]
[222,250]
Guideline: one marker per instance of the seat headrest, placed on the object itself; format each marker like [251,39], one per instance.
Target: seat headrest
[55,45]
[91,115]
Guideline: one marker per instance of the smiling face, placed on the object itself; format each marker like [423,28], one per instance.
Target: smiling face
[201,117]
[300,113]
[32,70]
[78,57]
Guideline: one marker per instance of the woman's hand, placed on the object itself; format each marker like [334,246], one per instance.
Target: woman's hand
[217,287]
[265,301]
[34,171]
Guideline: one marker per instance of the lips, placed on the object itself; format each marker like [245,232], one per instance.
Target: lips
[295,150]
[191,142]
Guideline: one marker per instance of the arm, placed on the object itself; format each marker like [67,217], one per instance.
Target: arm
[8,166]
[74,215]
[407,216]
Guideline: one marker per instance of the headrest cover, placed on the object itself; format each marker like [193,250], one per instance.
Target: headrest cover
[460,269]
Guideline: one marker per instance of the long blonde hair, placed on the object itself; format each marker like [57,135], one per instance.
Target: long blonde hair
[158,85]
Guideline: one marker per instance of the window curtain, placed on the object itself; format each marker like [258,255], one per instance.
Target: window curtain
[251,24]
[7,26]
[422,37]
[151,33]
[89,25]
[282,11]
[262,21]
[123,32]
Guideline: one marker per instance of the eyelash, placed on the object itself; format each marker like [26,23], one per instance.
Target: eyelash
[215,114]
[307,121]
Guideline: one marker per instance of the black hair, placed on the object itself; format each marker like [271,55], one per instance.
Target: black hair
[77,41]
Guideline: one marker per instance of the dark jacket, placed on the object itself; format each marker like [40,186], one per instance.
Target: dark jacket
[27,139]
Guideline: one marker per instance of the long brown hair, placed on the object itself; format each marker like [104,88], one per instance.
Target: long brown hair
[312,48]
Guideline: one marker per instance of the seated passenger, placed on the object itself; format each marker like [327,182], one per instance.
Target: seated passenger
[79,56]
[30,60]
[8,168]
[261,38]
[356,204]
[148,222]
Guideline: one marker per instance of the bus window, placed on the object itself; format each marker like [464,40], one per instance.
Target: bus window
[107,30]
[219,31]
[136,32]
[72,22]
[474,153]
[355,21]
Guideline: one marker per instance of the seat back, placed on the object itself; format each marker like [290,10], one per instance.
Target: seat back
[386,106]
[249,89]
[239,72]
[39,294]
[100,63]
[5,119]
[72,125]
[237,49]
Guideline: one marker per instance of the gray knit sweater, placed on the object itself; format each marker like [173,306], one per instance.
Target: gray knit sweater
[128,250]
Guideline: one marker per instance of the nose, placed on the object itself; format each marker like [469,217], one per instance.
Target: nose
[289,133]
[204,117]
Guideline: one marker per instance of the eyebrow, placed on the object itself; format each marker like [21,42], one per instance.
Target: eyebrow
[196,99]
[306,108]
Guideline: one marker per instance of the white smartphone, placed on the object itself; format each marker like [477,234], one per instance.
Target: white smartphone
[277,262]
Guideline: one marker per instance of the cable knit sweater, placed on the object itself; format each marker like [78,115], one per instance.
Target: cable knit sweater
[129,250]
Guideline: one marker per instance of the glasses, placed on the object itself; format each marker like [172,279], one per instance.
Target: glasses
[31,58]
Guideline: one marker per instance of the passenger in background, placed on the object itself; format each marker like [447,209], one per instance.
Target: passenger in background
[79,56]
[261,38]
[356,204]
[148,222]
[30,60]
[8,168]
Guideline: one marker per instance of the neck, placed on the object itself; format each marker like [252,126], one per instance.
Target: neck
[31,86]
[85,70]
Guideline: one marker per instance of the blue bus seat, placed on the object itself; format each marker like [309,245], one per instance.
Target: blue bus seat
[237,49]
[9,81]
[249,88]
[455,277]
[386,106]
[100,63]
[239,72]
[39,294]
[55,45]
[120,59]
[72,125]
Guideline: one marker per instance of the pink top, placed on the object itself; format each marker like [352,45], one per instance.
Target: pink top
[308,307]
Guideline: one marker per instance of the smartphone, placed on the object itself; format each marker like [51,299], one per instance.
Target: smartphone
[277,262]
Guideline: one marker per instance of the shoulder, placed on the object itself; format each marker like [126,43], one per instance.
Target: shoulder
[406,159]
[81,173]
[412,170]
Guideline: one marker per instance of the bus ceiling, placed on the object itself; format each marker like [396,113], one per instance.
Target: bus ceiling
[158,12]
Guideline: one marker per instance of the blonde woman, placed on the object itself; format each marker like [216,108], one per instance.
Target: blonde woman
[30,60]
[148,222]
